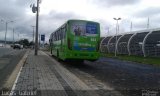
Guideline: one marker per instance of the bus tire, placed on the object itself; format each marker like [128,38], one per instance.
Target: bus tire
[57,54]
[51,51]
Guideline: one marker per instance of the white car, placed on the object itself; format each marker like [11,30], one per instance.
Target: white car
[1,45]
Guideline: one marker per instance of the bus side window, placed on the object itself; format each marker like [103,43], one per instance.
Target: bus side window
[59,38]
[56,36]
[64,31]
[61,34]
[52,37]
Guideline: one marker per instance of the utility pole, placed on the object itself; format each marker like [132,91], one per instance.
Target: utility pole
[13,35]
[36,10]
[5,34]
[39,39]
[33,32]
[36,39]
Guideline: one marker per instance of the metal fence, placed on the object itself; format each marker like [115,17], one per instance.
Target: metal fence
[144,43]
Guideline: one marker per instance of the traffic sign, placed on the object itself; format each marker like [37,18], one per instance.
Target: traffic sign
[42,37]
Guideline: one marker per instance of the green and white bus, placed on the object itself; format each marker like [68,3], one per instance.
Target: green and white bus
[76,39]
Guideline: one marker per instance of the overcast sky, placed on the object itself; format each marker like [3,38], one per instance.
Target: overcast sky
[54,13]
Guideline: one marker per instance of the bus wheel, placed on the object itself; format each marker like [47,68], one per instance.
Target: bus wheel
[51,51]
[57,54]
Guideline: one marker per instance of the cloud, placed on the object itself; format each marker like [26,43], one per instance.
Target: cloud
[148,12]
[141,18]
[17,11]
[50,20]
[111,3]
[13,9]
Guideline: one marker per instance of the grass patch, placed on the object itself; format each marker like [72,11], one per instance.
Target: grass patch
[138,59]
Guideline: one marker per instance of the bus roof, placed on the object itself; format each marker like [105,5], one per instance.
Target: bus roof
[71,20]
[81,20]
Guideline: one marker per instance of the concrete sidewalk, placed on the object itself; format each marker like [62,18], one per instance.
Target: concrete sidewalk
[43,76]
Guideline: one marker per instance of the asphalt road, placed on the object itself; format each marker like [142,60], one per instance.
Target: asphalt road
[9,58]
[4,51]
[131,79]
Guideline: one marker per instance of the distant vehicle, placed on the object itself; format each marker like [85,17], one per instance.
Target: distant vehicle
[17,46]
[76,39]
[21,46]
[1,45]
[11,45]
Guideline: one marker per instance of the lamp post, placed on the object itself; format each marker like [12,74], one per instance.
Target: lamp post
[117,30]
[33,31]
[36,10]
[13,35]
[6,23]
[37,19]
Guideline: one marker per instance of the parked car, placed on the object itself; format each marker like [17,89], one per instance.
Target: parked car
[17,46]
[1,45]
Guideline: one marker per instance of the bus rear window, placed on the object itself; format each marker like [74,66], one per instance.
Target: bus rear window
[91,28]
[84,28]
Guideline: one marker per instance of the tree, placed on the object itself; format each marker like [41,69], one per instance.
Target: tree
[31,43]
[24,42]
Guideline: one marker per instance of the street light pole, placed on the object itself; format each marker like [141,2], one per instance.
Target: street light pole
[131,27]
[6,32]
[36,10]
[117,30]
[13,35]
[36,39]
[148,23]
[33,32]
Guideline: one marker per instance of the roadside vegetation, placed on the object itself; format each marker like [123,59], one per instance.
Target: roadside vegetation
[139,59]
